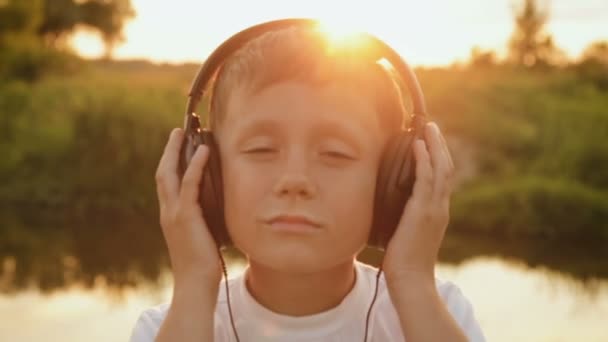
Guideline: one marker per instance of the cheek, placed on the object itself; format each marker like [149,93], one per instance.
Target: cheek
[244,190]
[351,199]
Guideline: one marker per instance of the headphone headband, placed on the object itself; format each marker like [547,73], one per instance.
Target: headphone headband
[231,45]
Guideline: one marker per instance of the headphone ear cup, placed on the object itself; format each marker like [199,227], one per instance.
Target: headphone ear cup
[394,186]
[211,193]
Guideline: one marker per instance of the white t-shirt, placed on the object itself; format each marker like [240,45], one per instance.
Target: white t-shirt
[345,322]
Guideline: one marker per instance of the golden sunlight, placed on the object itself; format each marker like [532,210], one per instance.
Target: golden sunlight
[87,43]
[434,32]
[341,34]
[189,31]
[338,31]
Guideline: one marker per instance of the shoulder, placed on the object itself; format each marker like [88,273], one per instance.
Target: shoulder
[449,292]
[456,301]
[150,320]
[460,308]
[386,317]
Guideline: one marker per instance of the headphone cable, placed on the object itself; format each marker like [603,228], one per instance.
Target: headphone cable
[373,301]
[228,296]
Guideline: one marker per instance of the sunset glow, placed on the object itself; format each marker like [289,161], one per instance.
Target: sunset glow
[435,32]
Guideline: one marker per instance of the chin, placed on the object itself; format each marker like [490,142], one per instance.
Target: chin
[295,257]
[289,257]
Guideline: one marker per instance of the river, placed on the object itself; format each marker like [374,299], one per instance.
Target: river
[512,301]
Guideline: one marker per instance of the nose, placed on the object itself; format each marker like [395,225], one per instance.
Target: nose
[295,180]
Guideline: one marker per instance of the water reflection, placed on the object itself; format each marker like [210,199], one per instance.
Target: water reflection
[87,276]
[124,250]
[512,302]
[49,252]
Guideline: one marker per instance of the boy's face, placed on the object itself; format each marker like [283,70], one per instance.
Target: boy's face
[298,150]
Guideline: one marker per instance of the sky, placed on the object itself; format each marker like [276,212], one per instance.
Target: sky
[430,32]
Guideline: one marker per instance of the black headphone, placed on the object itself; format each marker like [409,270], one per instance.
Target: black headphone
[397,168]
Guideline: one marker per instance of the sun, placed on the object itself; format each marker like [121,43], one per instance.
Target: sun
[338,29]
[346,36]
[341,32]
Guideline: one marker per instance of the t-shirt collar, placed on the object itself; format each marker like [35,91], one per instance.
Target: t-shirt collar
[353,306]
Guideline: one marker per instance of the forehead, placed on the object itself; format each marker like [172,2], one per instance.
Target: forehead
[298,103]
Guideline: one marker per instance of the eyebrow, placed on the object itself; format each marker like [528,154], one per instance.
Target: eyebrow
[325,127]
[264,125]
[332,127]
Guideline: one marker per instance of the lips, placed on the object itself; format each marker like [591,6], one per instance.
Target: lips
[293,223]
[293,219]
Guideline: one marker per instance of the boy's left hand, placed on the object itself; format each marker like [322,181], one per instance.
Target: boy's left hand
[412,252]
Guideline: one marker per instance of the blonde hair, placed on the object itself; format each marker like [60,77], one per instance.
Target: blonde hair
[306,55]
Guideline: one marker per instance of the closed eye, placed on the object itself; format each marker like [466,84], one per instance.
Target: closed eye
[336,154]
[260,150]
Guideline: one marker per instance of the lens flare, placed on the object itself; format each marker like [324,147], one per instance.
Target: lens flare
[341,33]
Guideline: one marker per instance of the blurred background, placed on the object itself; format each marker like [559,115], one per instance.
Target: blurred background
[89,90]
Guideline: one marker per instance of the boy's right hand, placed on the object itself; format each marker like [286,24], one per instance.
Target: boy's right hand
[192,250]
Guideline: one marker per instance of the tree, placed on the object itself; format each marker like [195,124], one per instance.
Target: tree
[482,58]
[55,20]
[62,17]
[19,16]
[593,65]
[596,52]
[530,45]
[33,33]
[108,17]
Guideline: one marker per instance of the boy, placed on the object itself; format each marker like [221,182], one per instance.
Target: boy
[301,126]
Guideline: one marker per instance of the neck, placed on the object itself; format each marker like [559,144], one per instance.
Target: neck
[297,294]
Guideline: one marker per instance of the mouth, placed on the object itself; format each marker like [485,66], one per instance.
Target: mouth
[293,224]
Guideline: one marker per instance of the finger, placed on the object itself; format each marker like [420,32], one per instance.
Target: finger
[447,150]
[189,192]
[451,167]
[167,178]
[439,159]
[423,184]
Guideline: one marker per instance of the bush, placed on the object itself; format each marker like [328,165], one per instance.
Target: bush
[532,207]
[78,142]
[23,57]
